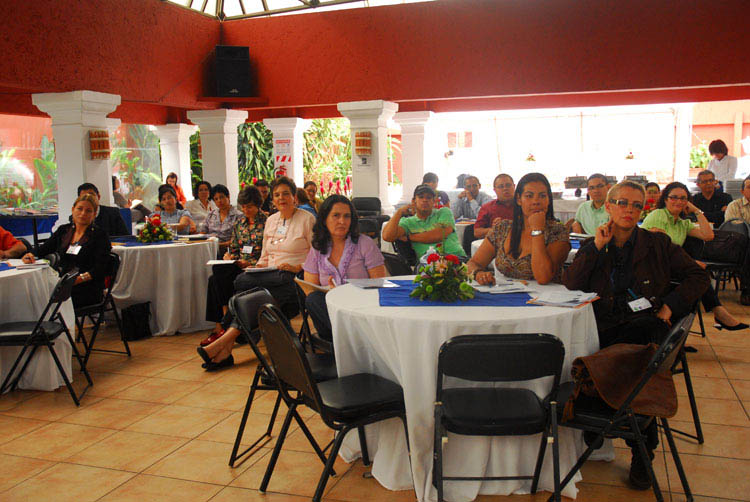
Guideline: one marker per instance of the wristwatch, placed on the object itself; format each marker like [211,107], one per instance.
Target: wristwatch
[534,233]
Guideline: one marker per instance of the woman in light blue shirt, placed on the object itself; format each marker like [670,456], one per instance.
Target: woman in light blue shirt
[221,221]
[178,219]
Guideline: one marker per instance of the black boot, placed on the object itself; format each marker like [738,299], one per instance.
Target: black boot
[639,478]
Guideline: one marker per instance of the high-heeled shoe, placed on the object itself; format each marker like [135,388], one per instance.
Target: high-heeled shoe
[736,327]
[224,363]
[204,355]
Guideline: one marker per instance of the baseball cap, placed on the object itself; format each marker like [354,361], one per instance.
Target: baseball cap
[424,189]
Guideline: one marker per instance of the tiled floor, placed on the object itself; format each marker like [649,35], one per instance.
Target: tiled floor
[157,427]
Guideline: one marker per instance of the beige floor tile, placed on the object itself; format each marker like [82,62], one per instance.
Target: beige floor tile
[108,384]
[718,388]
[732,354]
[180,421]
[714,477]
[144,488]
[709,368]
[192,339]
[11,399]
[720,440]
[104,362]
[615,473]
[112,413]
[296,473]
[589,492]
[142,366]
[297,440]
[17,469]
[736,370]
[128,451]
[238,375]
[742,388]
[67,482]
[354,488]
[55,441]
[226,430]
[190,371]
[714,411]
[49,405]
[14,427]
[216,396]
[157,390]
[738,339]
[203,461]
[232,494]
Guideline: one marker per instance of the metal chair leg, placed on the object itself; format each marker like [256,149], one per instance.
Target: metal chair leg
[363,445]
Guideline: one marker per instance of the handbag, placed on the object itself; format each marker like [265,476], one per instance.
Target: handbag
[726,247]
[612,373]
[135,321]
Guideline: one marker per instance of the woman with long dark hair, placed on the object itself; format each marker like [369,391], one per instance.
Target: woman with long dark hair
[338,253]
[533,245]
[670,218]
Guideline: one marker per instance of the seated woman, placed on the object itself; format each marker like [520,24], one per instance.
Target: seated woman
[202,204]
[177,219]
[221,221]
[530,246]
[179,194]
[81,245]
[303,202]
[245,248]
[338,253]
[674,204]
[286,242]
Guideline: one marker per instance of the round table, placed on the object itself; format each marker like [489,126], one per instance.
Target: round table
[402,343]
[23,296]
[173,277]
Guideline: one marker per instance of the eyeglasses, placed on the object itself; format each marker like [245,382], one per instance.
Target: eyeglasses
[677,198]
[597,187]
[623,203]
[707,182]
[504,185]
[473,185]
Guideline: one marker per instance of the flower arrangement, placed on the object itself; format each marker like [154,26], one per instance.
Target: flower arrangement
[154,230]
[630,156]
[530,157]
[443,279]
[649,206]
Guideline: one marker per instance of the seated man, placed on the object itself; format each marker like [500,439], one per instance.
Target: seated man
[624,263]
[591,214]
[107,218]
[712,202]
[501,208]
[740,210]
[427,227]
[10,247]
[470,200]
[431,180]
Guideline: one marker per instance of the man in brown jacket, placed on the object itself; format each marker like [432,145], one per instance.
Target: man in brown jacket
[632,272]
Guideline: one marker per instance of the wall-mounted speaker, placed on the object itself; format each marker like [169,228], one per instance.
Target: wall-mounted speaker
[234,76]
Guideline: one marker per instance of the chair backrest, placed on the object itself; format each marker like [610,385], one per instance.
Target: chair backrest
[501,358]
[736,225]
[110,277]
[405,251]
[29,247]
[396,265]
[61,293]
[367,205]
[468,238]
[291,367]
[369,226]
[54,261]
[245,307]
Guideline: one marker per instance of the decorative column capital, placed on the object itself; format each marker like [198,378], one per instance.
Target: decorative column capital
[86,108]
[413,122]
[287,125]
[217,121]
[368,114]
[174,133]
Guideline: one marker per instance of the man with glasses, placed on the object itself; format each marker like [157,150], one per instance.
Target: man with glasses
[592,214]
[632,270]
[470,200]
[501,208]
[712,202]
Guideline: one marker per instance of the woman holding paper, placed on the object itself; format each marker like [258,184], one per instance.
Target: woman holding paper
[533,245]
[286,240]
[338,253]
[244,251]
[83,246]
[220,222]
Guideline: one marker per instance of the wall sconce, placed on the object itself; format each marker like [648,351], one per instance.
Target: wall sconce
[363,143]
[99,144]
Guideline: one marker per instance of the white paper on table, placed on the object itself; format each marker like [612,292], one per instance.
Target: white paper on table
[19,264]
[505,288]
[252,270]
[575,235]
[311,285]
[564,298]
[372,283]
[192,237]
[220,262]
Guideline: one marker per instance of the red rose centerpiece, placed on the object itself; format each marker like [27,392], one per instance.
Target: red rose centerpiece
[443,279]
[154,230]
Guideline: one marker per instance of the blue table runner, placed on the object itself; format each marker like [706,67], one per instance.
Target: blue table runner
[399,297]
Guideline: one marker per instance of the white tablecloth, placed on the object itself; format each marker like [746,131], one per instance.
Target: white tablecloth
[23,296]
[402,344]
[173,277]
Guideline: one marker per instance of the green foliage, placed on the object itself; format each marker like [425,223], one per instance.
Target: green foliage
[154,231]
[255,152]
[699,156]
[327,154]
[39,197]
[137,165]
[196,162]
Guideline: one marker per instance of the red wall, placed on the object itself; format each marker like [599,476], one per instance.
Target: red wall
[443,55]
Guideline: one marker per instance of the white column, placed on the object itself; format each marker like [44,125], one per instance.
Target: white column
[73,115]
[682,140]
[219,144]
[174,143]
[287,145]
[370,173]
[416,149]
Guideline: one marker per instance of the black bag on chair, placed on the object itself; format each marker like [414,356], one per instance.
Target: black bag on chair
[136,321]
[726,247]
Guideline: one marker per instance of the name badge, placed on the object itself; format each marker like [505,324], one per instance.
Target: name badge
[247,250]
[639,304]
[74,250]
[281,230]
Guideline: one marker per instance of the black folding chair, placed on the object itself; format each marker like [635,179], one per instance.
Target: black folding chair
[497,411]
[623,422]
[468,238]
[396,265]
[723,272]
[42,333]
[306,335]
[344,404]
[406,252]
[244,307]
[680,367]
[96,312]
[370,227]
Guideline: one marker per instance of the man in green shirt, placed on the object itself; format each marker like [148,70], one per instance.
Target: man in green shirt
[427,227]
[592,214]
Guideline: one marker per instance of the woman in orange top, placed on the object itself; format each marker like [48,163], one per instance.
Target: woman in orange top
[172,181]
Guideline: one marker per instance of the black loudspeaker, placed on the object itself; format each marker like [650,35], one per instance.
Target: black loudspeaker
[233,73]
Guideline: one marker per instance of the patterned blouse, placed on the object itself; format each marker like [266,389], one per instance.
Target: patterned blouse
[245,234]
[520,268]
[222,229]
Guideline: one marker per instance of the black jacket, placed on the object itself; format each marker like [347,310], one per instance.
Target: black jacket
[93,256]
[712,207]
[110,220]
